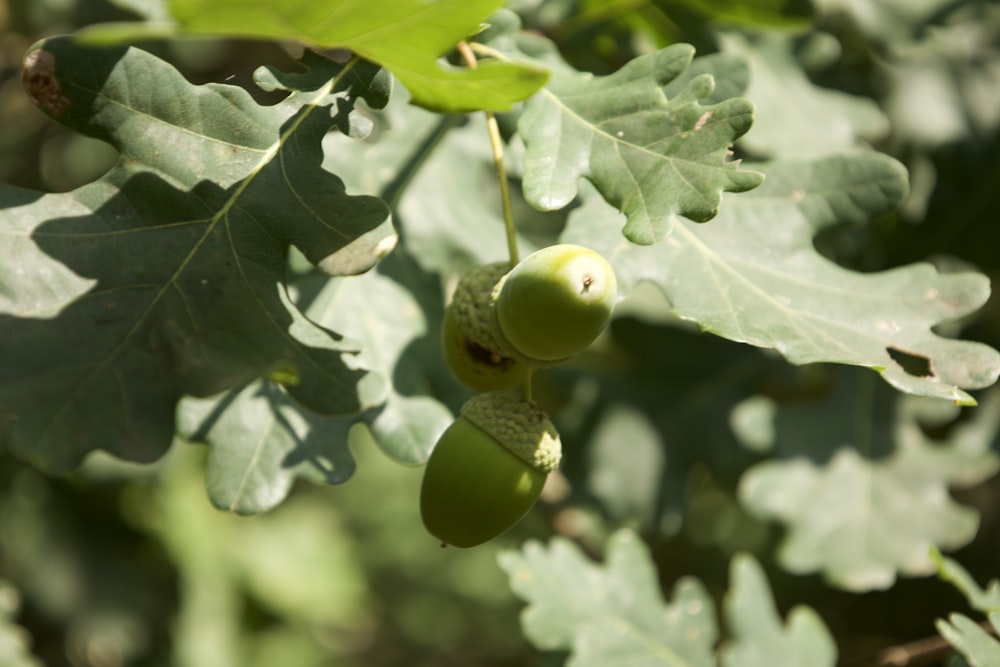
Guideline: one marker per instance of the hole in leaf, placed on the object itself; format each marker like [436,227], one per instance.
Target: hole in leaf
[914,364]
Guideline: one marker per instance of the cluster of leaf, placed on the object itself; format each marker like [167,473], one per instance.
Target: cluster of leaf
[264,278]
[616,614]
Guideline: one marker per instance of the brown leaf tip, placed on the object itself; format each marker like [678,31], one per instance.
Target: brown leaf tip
[38,75]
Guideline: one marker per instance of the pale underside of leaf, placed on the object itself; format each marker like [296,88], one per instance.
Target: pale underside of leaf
[758,638]
[845,498]
[753,275]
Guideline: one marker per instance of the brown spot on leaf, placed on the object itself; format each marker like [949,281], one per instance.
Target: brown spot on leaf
[38,75]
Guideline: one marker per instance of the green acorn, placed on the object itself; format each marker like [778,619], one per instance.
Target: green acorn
[487,469]
[553,304]
[467,338]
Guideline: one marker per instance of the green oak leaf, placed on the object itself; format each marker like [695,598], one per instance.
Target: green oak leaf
[407,37]
[754,276]
[615,614]
[395,311]
[979,647]
[853,471]
[795,117]
[437,169]
[165,277]
[758,637]
[971,639]
[984,599]
[655,158]
[610,614]
[262,440]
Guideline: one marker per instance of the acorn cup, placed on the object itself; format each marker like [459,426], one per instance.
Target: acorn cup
[467,338]
[487,469]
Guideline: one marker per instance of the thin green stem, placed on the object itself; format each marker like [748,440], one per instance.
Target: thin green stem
[508,212]
[496,143]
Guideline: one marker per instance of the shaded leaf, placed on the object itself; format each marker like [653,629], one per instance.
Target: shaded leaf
[796,118]
[984,599]
[980,648]
[395,312]
[754,276]
[971,639]
[652,157]
[613,614]
[165,277]
[862,491]
[627,486]
[405,36]
[261,442]
[758,637]
[755,13]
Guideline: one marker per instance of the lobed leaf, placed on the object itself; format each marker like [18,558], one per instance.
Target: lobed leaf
[986,600]
[261,442]
[754,276]
[165,277]
[758,637]
[980,648]
[615,615]
[971,639]
[854,471]
[405,36]
[610,614]
[795,117]
[652,157]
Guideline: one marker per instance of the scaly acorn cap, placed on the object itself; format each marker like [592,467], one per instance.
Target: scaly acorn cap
[518,426]
[472,304]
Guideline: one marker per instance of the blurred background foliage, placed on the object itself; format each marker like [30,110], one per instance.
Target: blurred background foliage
[130,565]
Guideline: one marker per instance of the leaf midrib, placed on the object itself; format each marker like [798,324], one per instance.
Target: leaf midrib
[172,282]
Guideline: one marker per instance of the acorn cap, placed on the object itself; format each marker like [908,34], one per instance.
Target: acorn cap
[472,306]
[518,426]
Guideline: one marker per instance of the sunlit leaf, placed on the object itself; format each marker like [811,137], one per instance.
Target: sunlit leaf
[405,36]
[753,275]
[652,157]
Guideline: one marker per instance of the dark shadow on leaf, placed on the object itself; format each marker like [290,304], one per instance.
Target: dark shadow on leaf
[188,301]
[917,365]
[325,446]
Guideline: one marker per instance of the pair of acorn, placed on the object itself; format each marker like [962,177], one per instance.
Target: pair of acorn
[489,466]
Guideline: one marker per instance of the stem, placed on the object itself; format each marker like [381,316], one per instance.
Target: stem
[496,142]
[508,212]
[919,653]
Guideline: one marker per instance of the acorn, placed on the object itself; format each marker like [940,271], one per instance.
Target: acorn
[468,339]
[553,304]
[487,469]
